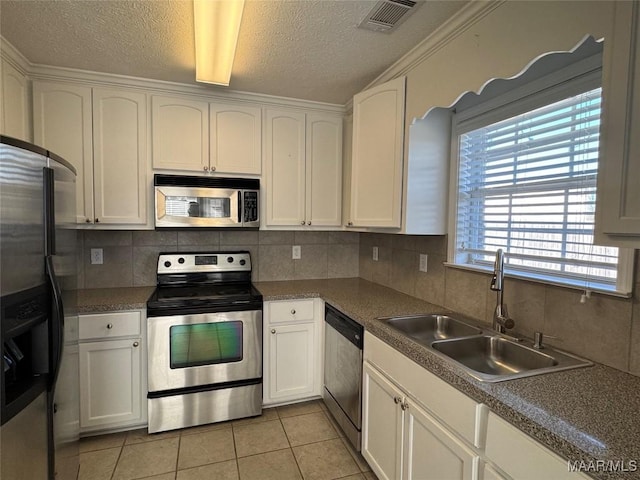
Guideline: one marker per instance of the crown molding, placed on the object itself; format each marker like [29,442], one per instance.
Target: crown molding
[71,75]
[445,33]
[11,54]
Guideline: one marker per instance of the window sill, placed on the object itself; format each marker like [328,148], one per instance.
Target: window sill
[581,288]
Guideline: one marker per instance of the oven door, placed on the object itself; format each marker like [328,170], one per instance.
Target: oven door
[204,349]
[197,207]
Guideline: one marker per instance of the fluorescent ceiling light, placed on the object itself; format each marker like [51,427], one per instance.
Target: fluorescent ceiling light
[217,25]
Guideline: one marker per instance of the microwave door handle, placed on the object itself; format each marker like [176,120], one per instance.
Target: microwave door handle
[240,208]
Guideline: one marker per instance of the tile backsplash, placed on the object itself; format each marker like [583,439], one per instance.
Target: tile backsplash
[130,257]
[604,329]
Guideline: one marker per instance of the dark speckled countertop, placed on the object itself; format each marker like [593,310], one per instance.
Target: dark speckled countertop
[585,414]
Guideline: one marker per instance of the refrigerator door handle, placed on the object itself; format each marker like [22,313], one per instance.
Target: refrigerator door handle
[56,325]
[49,212]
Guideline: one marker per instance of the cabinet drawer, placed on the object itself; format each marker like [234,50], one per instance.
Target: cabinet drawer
[109,325]
[522,457]
[452,407]
[290,311]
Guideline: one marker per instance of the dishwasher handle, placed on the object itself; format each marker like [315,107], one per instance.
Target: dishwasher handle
[345,326]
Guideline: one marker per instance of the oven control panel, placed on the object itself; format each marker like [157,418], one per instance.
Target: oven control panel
[204,262]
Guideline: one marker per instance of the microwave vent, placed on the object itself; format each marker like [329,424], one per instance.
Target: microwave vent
[386,15]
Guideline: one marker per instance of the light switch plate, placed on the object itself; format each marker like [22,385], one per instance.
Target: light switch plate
[423,262]
[375,254]
[96,256]
[296,252]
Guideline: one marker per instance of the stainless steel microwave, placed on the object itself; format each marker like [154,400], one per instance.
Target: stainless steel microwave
[206,202]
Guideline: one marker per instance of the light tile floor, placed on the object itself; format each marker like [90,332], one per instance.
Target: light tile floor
[299,441]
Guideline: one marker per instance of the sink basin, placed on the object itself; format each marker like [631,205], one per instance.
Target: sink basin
[428,328]
[493,358]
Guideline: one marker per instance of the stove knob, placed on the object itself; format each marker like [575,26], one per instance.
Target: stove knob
[230,259]
[242,262]
[181,260]
[167,264]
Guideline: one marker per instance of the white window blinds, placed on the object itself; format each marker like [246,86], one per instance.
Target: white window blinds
[527,185]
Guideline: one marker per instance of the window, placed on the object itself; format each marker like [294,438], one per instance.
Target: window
[526,183]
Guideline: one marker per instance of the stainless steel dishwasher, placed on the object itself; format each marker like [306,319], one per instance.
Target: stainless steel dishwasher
[343,372]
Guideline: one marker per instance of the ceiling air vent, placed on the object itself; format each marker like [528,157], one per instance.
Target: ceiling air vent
[388,14]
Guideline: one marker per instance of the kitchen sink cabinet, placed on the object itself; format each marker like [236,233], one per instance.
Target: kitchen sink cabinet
[102,132]
[377,156]
[195,135]
[112,371]
[402,440]
[303,168]
[292,350]
[618,201]
[14,103]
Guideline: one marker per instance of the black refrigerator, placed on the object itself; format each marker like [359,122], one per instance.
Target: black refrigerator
[39,401]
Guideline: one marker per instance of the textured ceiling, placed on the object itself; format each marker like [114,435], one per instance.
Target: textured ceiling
[306,49]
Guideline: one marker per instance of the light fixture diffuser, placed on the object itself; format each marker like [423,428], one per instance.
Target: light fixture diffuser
[216,25]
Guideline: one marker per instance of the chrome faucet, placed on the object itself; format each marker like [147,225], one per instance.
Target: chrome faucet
[501,320]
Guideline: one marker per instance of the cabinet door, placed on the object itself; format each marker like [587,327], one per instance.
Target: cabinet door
[110,383]
[376,163]
[382,424]
[120,145]
[62,123]
[324,170]
[431,452]
[487,472]
[618,201]
[180,133]
[235,139]
[15,103]
[285,168]
[291,362]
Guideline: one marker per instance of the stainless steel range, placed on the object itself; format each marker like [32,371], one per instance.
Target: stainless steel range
[204,330]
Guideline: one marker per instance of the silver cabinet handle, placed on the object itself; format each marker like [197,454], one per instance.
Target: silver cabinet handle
[135,344]
[273,330]
[97,220]
[397,400]
[404,406]
[350,224]
[293,311]
[213,169]
[206,169]
[109,326]
[308,223]
[88,221]
[302,222]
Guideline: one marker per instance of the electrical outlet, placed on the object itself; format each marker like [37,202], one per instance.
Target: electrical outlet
[296,252]
[96,256]
[423,262]
[375,254]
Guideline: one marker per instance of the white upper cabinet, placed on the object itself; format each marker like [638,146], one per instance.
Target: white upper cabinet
[303,165]
[376,163]
[120,145]
[235,139]
[324,170]
[102,133]
[62,123]
[180,133]
[618,201]
[14,104]
[199,136]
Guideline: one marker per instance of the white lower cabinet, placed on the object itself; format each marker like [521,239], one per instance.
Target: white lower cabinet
[291,368]
[402,440]
[112,371]
[415,426]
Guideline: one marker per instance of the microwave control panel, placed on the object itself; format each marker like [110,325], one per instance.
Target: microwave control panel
[250,206]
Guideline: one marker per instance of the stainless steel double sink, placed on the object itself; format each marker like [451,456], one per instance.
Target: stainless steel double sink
[485,355]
